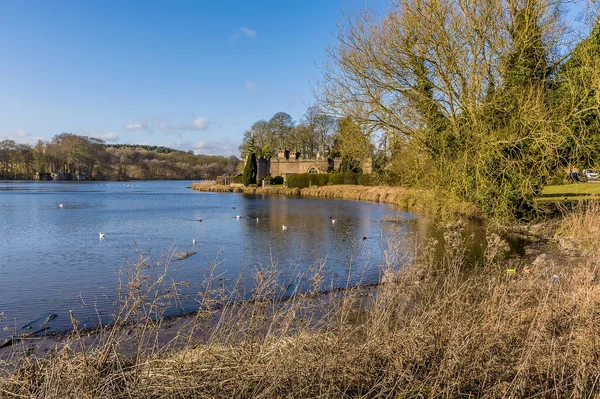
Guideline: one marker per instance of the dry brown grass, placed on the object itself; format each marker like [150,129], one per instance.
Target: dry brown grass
[580,229]
[437,328]
[216,188]
[425,202]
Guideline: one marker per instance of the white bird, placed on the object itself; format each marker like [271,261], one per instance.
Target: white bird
[256,220]
[193,241]
[283,227]
[101,235]
[333,221]
[238,216]
[61,205]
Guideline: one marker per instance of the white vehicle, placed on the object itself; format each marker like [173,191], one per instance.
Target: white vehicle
[591,175]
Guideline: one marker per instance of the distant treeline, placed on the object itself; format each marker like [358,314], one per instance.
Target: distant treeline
[155,148]
[70,153]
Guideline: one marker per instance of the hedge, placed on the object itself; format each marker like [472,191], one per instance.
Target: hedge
[336,178]
[303,180]
[366,180]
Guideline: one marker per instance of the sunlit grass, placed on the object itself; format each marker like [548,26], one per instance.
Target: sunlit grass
[572,189]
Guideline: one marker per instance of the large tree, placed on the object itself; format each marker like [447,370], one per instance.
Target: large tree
[281,126]
[263,136]
[320,128]
[577,93]
[467,86]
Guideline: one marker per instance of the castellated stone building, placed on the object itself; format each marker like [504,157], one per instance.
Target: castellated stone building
[287,162]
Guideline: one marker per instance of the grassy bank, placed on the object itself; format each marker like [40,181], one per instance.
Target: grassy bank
[570,192]
[438,327]
[425,202]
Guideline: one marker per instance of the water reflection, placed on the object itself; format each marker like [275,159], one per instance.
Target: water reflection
[52,260]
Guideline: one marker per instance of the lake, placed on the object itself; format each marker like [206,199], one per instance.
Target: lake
[53,260]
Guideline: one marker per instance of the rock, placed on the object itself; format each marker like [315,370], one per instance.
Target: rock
[183,255]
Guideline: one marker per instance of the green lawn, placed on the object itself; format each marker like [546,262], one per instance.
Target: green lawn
[570,192]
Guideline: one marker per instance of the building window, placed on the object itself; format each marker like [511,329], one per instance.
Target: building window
[313,170]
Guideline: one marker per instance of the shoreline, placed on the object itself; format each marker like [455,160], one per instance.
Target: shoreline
[98,180]
[197,342]
[425,202]
[172,331]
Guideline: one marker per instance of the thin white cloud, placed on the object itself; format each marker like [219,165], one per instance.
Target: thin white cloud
[251,33]
[21,136]
[225,148]
[135,126]
[248,32]
[200,124]
[169,124]
[107,136]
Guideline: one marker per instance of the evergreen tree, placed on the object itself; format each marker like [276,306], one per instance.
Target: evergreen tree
[250,169]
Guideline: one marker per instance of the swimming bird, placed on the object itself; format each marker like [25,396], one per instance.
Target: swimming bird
[283,227]
[101,235]
[193,241]
[238,216]
[61,205]
[364,238]
[333,221]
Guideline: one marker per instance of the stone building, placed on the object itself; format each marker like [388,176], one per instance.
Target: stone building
[288,162]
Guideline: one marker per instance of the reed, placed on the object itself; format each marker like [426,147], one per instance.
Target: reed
[436,327]
[425,202]
[580,227]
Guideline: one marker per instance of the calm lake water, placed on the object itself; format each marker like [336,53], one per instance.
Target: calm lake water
[52,259]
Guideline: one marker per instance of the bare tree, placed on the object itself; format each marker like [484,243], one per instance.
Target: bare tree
[467,84]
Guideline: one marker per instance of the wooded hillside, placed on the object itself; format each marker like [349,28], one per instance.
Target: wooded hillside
[70,153]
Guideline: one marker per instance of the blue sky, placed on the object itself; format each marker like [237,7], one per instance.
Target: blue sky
[187,74]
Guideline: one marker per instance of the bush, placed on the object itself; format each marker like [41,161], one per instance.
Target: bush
[299,180]
[336,178]
[277,180]
[366,180]
[351,178]
[320,180]
[239,179]
[303,180]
